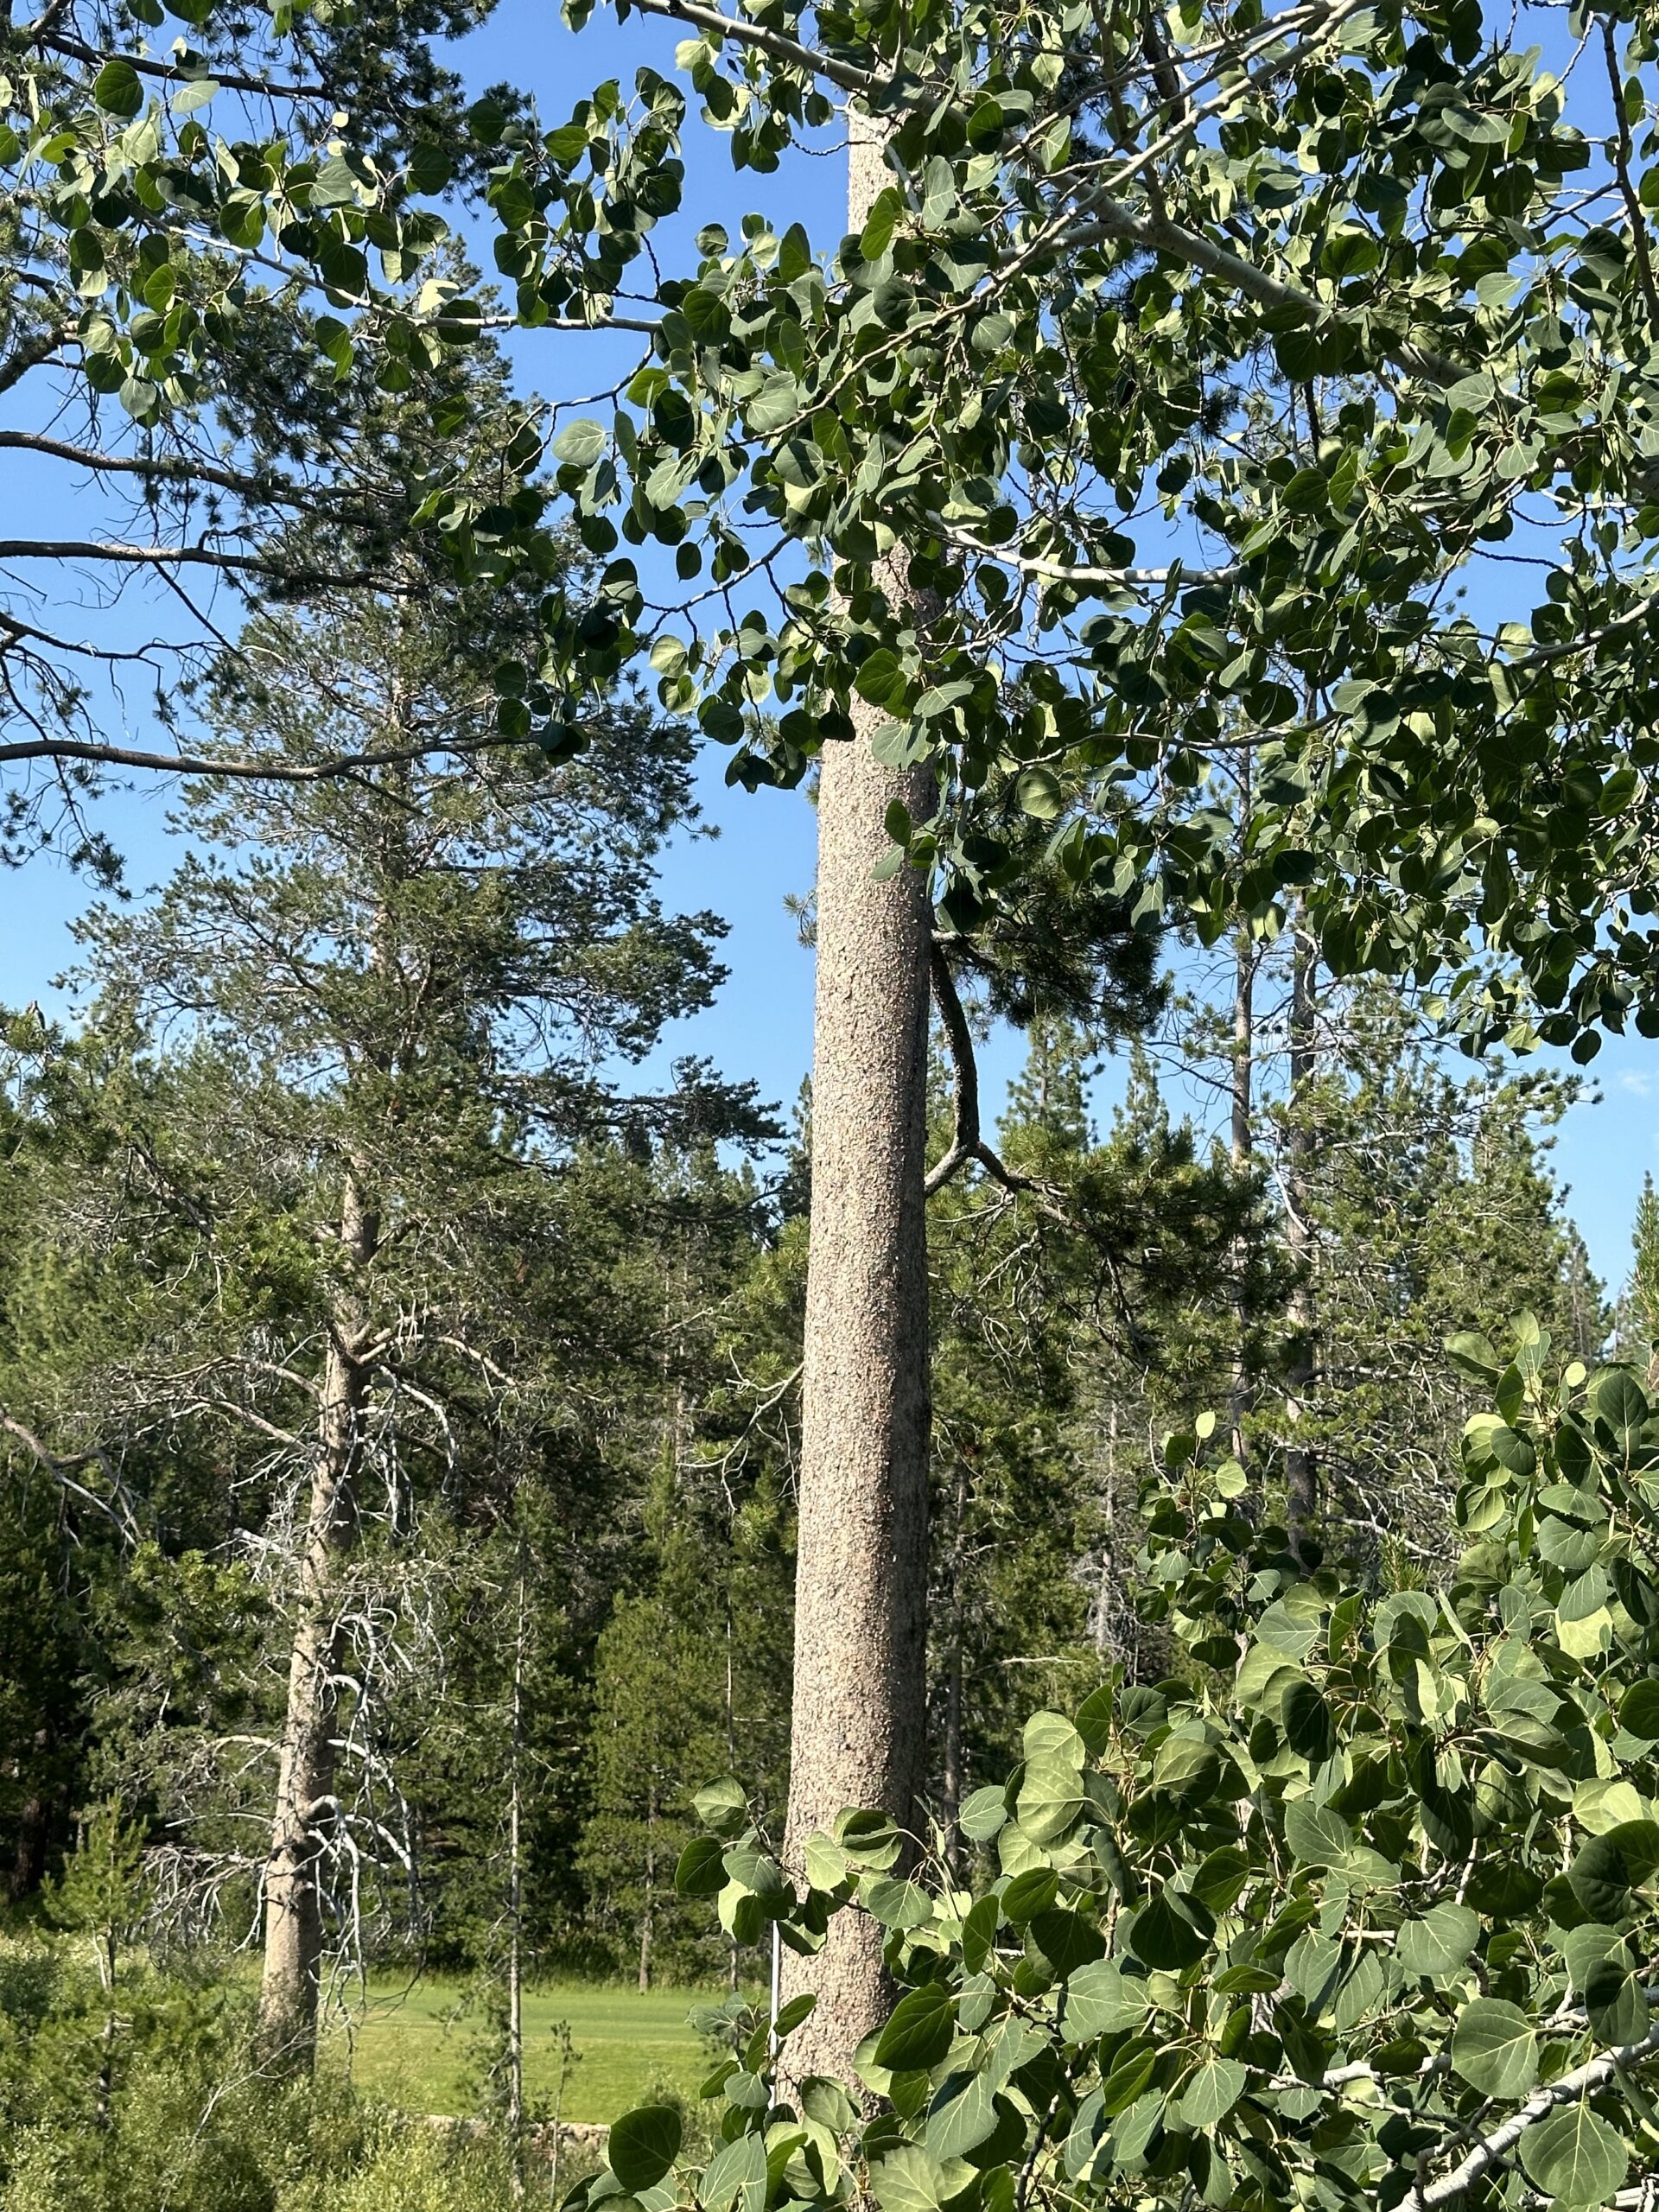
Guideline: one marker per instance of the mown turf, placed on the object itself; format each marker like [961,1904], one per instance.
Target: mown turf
[415,2044]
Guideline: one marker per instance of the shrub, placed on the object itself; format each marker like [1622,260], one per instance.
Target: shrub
[1361,1908]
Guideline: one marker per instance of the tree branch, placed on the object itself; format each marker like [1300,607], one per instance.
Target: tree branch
[175,73]
[1111,219]
[237,768]
[121,1512]
[969,1142]
[167,556]
[1489,2149]
[173,467]
[1627,192]
[776,43]
[31,354]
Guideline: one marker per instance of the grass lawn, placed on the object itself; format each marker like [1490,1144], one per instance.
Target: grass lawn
[413,2045]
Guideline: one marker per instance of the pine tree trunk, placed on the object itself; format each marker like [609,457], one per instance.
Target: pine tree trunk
[293,1932]
[516,1891]
[34,1841]
[1301,1465]
[860,1605]
[651,1892]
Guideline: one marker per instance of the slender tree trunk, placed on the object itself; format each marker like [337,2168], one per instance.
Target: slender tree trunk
[1106,1593]
[1301,1465]
[108,1953]
[292,1962]
[860,1605]
[34,1841]
[516,1888]
[650,1891]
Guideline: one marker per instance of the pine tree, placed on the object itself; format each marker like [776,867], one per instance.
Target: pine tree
[374,1119]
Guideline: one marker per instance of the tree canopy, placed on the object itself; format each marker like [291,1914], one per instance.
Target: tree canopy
[1193,359]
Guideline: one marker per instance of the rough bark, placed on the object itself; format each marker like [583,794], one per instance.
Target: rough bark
[291,1981]
[516,1887]
[861,1682]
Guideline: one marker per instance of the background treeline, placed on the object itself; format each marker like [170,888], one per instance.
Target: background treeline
[398,1359]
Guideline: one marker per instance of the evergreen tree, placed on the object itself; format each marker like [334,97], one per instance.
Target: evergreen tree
[379,1121]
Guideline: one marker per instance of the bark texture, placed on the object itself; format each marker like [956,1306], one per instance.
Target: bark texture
[860,1669]
[291,1980]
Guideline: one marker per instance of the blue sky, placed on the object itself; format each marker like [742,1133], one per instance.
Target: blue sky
[761,1027]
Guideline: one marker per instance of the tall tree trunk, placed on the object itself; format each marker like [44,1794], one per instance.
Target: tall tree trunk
[1107,1589]
[861,1603]
[516,1887]
[293,1961]
[1301,1465]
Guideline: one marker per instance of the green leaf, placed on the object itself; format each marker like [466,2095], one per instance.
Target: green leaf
[701,1869]
[920,2031]
[1610,1867]
[1316,1836]
[896,1903]
[1221,1878]
[1030,1893]
[909,2180]
[1171,1932]
[778,401]
[1100,2000]
[722,1807]
[985,1813]
[1475,1356]
[963,2116]
[1066,1939]
[879,225]
[643,2146]
[979,1934]
[1309,1728]
[1132,2069]
[881,678]
[1212,2091]
[1039,794]
[1615,2003]
[1619,1401]
[1494,2048]
[735,2167]
[118,89]
[1638,1711]
[1438,1944]
[580,443]
[1575,2156]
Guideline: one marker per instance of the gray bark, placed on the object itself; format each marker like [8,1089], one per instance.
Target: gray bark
[861,1681]
[516,1887]
[291,1981]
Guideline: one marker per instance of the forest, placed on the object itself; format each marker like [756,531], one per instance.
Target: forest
[573,1630]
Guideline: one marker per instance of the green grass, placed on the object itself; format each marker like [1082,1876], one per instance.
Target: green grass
[414,2045]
